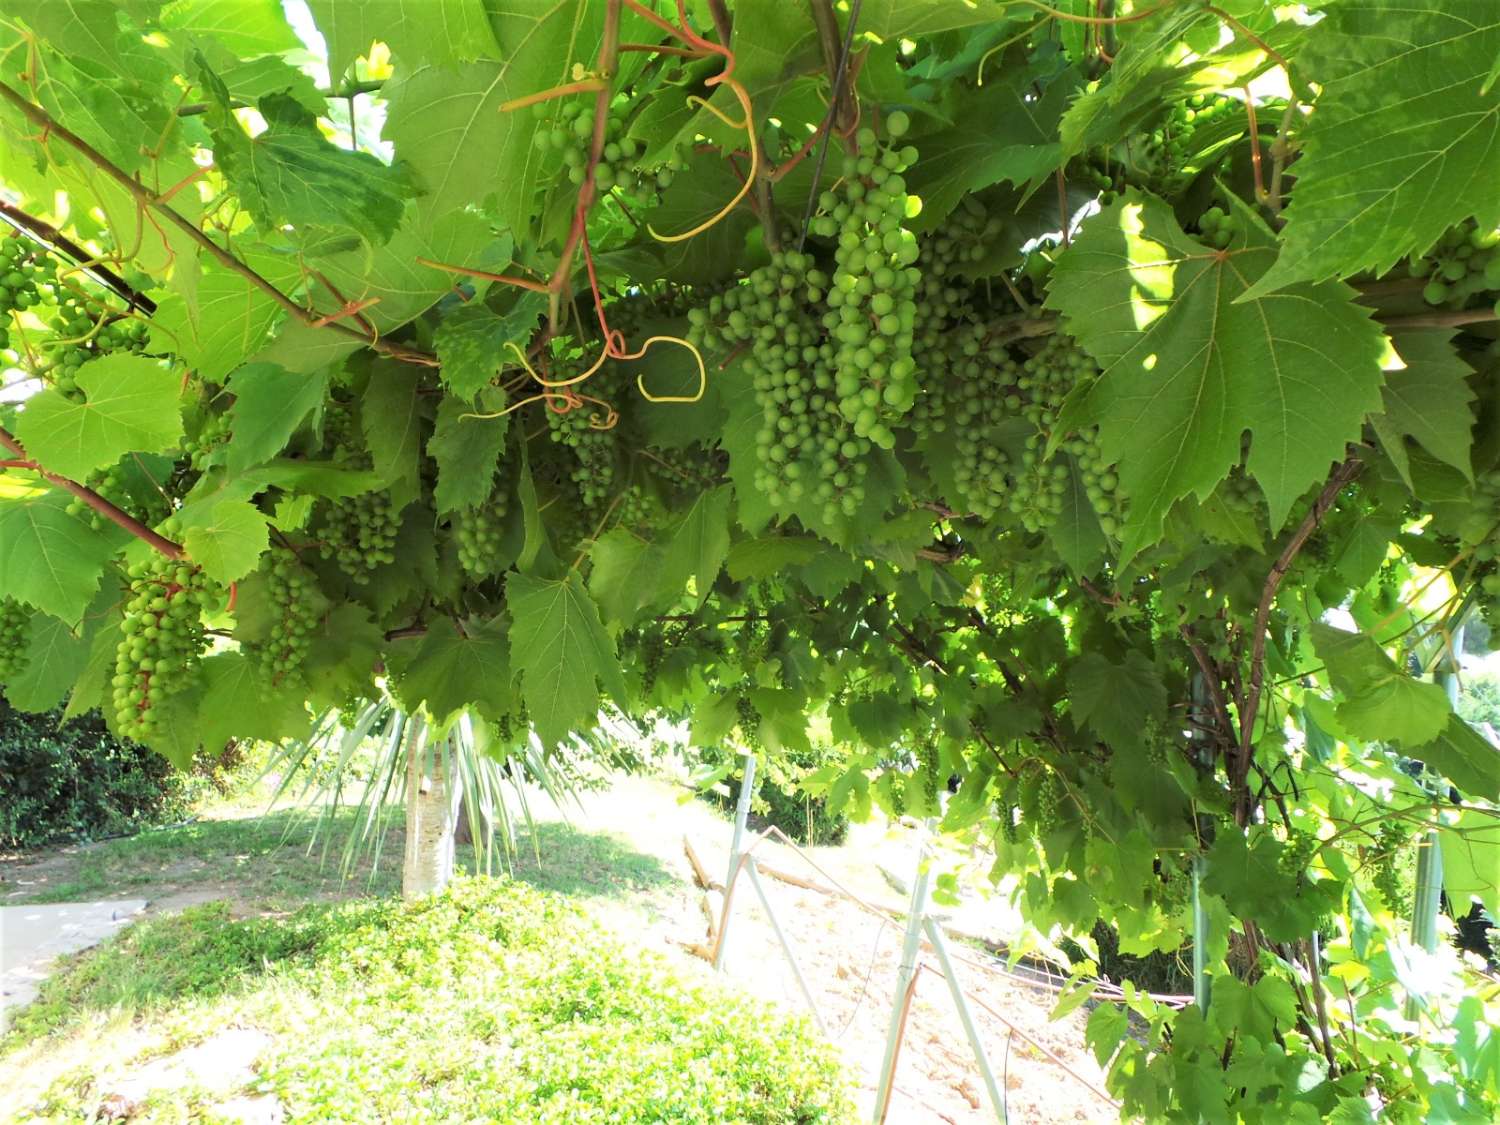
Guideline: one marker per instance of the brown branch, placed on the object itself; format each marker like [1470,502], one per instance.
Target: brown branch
[1453,318]
[1250,704]
[94,501]
[827,23]
[149,199]
[1213,681]
[49,235]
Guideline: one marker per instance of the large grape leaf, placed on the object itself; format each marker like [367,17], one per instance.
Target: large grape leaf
[698,545]
[391,413]
[472,341]
[226,537]
[239,703]
[467,450]
[290,174]
[1002,132]
[442,32]
[246,27]
[49,558]
[625,575]
[1464,756]
[270,402]
[227,320]
[394,280]
[1429,401]
[1403,141]
[448,124]
[1381,702]
[1116,700]
[562,653]
[130,406]
[1188,366]
[1471,860]
[448,669]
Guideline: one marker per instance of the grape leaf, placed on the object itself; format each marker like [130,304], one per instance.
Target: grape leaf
[270,402]
[290,174]
[1471,860]
[1188,366]
[449,670]
[472,341]
[87,29]
[1118,701]
[245,27]
[1429,401]
[467,452]
[1463,755]
[300,347]
[768,555]
[448,125]
[130,405]
[1004,132]
[1076,534]
[1381,702]
[239,703]
[1403,141]
[562,652]
[442,32]
[48,558]
[225,537]
[55,656]
[342,655]
[391,413]
[624,576]
[226,322]
[698,546]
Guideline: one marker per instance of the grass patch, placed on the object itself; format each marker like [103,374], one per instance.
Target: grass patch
[492,1002]
[275,862]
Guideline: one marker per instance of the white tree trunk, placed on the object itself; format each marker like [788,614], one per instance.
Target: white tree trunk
[431,816]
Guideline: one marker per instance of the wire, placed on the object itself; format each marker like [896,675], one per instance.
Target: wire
[833,107]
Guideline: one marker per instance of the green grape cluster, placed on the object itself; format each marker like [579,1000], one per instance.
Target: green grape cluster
[594,451]
[1172,152]
[1219,227]
[478,533]
[1041,806]
[805,447]
[1480,532]
[1386,873]
[1040,483]
[871,303]
[79,336]
[15,631]
[571,134]
[636,506]
[749,721]
[1007,810]
[161,641]
[150,508]
[293,592]
[212,433]
[1297,853]
[653,649]
[1462,265]
[359,533]
[24,273]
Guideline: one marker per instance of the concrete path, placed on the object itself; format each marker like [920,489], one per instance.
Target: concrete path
[33,937]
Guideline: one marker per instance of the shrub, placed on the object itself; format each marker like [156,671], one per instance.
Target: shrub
[77,780]
[491,1002]
[779,798]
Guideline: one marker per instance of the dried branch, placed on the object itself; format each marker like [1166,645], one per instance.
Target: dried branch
[55,240]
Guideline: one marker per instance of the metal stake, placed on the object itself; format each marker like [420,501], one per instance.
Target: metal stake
[741,814]
[786,945]
[909,950]
[940,943]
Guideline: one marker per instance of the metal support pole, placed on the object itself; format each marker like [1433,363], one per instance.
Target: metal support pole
[741,814]
[786,944]
[909,950]
[940,943]
[1427,899]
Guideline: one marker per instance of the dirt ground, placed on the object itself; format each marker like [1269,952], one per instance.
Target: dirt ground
[850,959]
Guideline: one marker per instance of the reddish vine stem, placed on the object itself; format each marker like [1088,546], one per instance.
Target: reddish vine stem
[148,199]
[92,499]
[1250,704]
[50,235]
